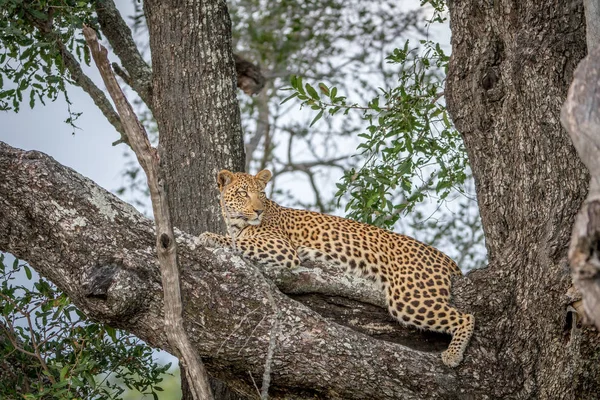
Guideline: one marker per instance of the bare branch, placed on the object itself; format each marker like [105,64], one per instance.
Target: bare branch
[79,77]
[97,95]
[119,36]
[306,166]
[249,78]
[592,23]
[166,246]
[262,127]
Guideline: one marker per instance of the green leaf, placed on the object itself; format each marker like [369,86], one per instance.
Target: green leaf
[38,14]
[318,117]
[312,92]
[324,88]
[63,372]
[289,98]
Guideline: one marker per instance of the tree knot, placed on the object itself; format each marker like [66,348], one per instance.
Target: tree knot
[115,291]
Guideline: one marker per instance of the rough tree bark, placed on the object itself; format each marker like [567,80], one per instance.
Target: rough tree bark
[195,105]
[581,117]
[196,108]
[512,62]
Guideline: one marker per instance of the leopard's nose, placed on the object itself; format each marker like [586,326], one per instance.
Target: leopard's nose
[258,212]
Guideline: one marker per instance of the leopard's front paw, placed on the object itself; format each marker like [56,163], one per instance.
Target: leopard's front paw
[207,239]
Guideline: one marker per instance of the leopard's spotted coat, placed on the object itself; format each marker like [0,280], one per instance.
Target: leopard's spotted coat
[415,276]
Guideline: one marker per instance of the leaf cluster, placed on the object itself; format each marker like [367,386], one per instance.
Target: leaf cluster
[34,36]
[410,148]
[57,352]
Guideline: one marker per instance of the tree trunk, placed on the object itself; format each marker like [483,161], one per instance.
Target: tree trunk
[197,112]
[581,117]
[195,105]
[512,63]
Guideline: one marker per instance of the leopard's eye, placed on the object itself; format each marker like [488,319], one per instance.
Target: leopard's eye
[243,193]
[262,194]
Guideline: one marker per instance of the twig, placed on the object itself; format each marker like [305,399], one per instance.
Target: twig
[254,383]
[235,329]
[166,246]
[251,334]
[36,354]
[264,394]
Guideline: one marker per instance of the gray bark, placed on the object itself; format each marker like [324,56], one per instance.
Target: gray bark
[512,62]
[195,105]
[581,117]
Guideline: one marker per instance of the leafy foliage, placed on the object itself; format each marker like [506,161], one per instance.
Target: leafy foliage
[34,38]
[411,169]
[410,146]
[64,354]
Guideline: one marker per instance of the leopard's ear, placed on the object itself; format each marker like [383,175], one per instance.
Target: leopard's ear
[224,178]
[264,176]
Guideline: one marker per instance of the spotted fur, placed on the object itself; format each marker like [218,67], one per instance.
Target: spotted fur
[415,276]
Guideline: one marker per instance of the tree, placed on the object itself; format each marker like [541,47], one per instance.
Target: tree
[504,91]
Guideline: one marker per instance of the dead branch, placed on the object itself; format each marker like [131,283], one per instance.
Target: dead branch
[166,246]
[119,36]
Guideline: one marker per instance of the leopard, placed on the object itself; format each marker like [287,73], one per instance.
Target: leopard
[416,277]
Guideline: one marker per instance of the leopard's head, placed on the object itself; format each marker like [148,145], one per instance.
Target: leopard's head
[243,196]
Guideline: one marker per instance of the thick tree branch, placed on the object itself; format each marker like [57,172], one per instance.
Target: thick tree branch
[166,246]
[581,117]
[71,230]
[119,36]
